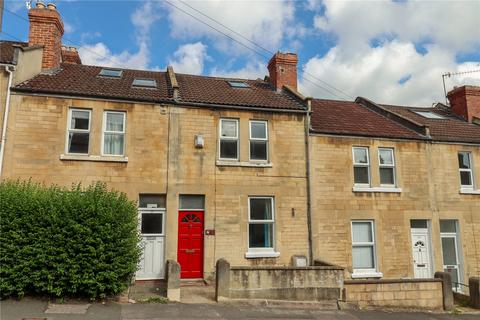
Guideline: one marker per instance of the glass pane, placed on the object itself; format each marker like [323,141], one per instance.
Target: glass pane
[259,130]
[360,155]
[261,209]
[363,257]
[418,224]
[228,149]
[110,73]
[387,176]
[448,226]
[464,160]
[466,178]
[113,144]
[144,83]
[258,150]
[361,175]
[229,128]
[192,202]
[152,223]
[80,120]
[386,156]
[115,122]
[152,201]
[449,251]
[78,142]
[260,235]
[362,232]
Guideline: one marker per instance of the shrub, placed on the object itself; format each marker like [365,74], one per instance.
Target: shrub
[61,242]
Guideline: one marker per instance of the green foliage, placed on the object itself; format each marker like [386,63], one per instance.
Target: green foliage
[60,242]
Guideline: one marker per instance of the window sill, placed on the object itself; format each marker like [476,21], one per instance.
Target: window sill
[360,275]
[469,191]
[262,254]
[93,158]
[223,163]
[377,189]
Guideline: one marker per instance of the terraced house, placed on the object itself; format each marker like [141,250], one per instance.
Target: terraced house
[249,170]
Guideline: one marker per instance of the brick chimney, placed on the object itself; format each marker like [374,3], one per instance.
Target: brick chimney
[46,29]
[282,68]
[465,102]
[70,55]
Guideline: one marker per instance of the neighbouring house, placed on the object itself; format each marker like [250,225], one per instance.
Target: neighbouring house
[249,170]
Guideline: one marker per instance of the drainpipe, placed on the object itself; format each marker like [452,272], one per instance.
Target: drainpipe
[5,115]
[309,202]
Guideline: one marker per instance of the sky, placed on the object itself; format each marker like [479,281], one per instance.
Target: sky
[388,51]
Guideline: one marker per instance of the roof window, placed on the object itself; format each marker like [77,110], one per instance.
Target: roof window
[429,115]
[238,84]
[110,73]
[144,83]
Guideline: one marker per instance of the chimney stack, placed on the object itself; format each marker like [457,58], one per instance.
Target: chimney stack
[282,68]
[465,102]
[46,29]
[70,55]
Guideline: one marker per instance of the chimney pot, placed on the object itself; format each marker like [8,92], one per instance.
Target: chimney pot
[51,6]
[282,69]
[40,5]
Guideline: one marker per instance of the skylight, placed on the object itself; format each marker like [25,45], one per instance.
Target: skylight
[429,115]
[238,84]
[110,73]
[146,83]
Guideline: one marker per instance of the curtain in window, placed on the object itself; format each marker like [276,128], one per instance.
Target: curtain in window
[113,143]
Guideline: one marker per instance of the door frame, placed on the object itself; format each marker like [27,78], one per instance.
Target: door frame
[423,231]
[203,239]
[458,252]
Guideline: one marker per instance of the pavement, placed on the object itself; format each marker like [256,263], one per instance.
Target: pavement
[36,309]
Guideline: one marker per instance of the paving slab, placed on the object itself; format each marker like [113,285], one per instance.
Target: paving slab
[67,308]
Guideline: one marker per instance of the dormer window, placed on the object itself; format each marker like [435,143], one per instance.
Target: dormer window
[112,73]
[238,84]
[144,83]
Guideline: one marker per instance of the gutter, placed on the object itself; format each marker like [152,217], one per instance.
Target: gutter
[6,113]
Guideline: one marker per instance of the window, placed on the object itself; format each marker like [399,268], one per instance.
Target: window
[361,166]
[229,139]
[238,84]
[192,202]
[386,162]
[147,83]
[466,171]
[429,115]
[152,212]
[113,133]
[110,73]
[149,200]
[363,247]
[260,223]
[78,131]
[258,140]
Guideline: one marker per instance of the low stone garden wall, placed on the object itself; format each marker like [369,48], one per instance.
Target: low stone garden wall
[317,283]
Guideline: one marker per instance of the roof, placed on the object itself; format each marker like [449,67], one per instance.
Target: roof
[450,129]
[7,50]
[351,118]
[83,80]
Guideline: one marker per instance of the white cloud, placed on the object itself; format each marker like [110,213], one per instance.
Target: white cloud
[190,58]
[392,70]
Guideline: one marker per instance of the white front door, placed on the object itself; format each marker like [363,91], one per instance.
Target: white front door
[152,262]
[421,250]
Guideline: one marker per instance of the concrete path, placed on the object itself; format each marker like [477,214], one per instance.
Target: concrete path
[29,309]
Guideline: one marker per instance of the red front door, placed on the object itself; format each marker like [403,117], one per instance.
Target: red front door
[190,244]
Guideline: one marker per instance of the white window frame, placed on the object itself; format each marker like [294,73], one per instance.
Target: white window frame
[258,139]
[69,123]
[372,272]
[470,170]
[366,165]
[236,138]
[262,252]
[392,166]
[104,131]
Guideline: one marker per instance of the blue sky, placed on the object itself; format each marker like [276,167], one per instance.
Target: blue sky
[389,51]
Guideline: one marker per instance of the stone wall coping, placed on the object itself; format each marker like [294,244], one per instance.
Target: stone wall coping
[387,281]
[272,268]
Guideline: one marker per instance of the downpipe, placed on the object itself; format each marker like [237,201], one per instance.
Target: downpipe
[5,115]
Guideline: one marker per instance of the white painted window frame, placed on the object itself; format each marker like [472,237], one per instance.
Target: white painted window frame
[258,139]
[236,138]
[364,165]
[388,166]
[262,252]
[104,131]
[469,170]
[371,272]
[69,129]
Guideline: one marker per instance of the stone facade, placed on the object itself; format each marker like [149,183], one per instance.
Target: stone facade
[428,176]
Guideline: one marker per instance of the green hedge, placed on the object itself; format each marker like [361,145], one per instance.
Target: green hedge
[66,242]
